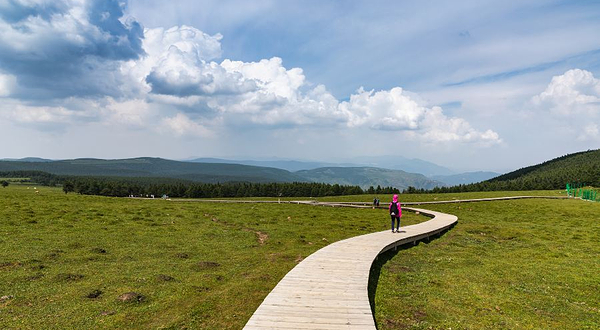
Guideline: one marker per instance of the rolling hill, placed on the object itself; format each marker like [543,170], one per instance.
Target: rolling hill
[582,167]
[288,165]
[414,165]
[368,176]
[409,165]
[155,167]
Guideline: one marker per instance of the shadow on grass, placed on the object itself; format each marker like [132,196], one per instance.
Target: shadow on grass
[383,258]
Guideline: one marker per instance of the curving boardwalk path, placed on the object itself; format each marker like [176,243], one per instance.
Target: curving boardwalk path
[328,289]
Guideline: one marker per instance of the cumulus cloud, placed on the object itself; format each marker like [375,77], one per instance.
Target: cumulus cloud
[8,83]
[43,118]
[88,49]
[181,125]
[178,63]
[589,133]
[179,75]
[386,110]
[64,45]
[133,112]
[437,127]
[396,110]
[576,91]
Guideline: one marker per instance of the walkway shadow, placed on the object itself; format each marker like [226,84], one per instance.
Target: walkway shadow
[381,260]
[385,257]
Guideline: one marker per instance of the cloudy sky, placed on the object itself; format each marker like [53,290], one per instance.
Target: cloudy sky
[471,85]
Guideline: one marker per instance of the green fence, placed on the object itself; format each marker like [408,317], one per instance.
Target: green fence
[579,190]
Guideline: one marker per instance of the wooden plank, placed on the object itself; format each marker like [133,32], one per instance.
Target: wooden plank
[329,289]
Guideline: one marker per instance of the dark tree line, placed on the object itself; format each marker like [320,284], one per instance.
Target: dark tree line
[118,188]
[39,177]
[142,186]
[385,190]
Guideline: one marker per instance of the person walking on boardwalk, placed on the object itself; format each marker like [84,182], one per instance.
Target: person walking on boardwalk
[395,213]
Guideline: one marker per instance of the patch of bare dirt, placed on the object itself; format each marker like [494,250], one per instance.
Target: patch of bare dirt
[93,294]
[206,265]
[68,277]
[262,237]
[165,278]
[10,265]
[131,297]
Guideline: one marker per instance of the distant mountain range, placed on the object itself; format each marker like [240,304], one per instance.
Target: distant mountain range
[386,162]
[368,176]
[583,167]
[464,178]
[288,165]
[28,159]
[410,165]
[212,170]
[156,167]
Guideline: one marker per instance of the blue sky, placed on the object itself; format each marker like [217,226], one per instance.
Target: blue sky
[471,85]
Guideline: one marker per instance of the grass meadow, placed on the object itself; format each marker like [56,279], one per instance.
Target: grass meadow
[67,260]
[520,264]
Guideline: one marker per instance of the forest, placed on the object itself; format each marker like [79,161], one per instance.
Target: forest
[148,186]
[582,168]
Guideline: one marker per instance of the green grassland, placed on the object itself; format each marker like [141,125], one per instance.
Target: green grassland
[511,264]
[521,264]
[198,265]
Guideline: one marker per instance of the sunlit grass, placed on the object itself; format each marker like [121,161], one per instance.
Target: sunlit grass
[198,265]
[523,264]
[512,264]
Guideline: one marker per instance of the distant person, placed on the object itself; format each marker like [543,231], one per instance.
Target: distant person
[395,213]
[377,202]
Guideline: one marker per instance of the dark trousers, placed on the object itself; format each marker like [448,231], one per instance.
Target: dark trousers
[397,218]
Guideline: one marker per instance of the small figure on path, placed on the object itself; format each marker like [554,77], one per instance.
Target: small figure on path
[395,213]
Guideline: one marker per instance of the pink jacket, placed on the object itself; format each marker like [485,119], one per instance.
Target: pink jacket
[395,200]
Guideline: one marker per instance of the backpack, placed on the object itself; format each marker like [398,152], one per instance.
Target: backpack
[394,209]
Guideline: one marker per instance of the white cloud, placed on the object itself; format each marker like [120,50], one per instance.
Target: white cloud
[171,78]
[270,76]
[574,92]
[589,133]
[7,84]
[437,127]
[44,118]
[67,47]
[133,112]
[386,110]
[182,125]
[186,38]
[396,110]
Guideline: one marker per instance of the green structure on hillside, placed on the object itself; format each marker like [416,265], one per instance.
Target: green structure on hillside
[578,190]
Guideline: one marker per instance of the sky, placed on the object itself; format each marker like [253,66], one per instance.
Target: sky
[470,85]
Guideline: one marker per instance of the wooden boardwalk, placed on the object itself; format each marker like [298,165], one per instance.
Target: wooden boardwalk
[328,289]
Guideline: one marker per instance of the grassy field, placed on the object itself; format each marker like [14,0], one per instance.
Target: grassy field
[523,264]
[66,259]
